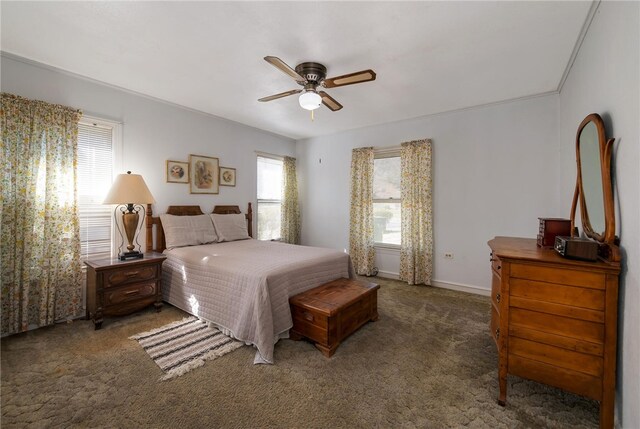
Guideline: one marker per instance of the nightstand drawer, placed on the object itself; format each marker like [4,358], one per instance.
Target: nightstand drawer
[129,293]
[129,275]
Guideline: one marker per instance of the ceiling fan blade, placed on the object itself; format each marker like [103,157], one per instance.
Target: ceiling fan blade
[350,79]
[282,94]
[328,101]
[282,66]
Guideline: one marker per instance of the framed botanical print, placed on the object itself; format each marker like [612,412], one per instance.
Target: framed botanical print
[227,176]
[204,175]
[177,171]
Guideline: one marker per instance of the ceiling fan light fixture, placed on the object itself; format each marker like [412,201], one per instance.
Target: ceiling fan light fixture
[311,76]
[310,100]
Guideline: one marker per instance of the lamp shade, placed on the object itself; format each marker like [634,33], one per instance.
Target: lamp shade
[310,100]
[129,189]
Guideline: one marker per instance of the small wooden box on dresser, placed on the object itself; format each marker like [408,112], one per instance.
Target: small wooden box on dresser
[115,287]
[554,320]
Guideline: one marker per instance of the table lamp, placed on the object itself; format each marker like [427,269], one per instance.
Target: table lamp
[129,192]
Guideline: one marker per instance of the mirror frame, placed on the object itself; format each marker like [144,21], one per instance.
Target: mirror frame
[608,248]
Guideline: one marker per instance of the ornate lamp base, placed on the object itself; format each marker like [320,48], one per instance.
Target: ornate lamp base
[132,225]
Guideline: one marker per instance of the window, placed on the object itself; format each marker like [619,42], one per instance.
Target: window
[96,150]
[269,197]
[386,199]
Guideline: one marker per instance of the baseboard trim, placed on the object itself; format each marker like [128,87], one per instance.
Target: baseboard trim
[477,290]
[388,275]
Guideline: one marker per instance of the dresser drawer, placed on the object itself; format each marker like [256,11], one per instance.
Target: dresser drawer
[573,381]
[557,325]
[557,309]
[496,294]
[129,293]
[556,356]
[495,325]
[496,263]
[562,341]
[558,275]
[129,275]
[559,294]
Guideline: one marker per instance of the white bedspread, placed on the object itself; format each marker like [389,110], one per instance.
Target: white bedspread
[244,286]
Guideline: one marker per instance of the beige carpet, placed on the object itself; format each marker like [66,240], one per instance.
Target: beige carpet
[429,362]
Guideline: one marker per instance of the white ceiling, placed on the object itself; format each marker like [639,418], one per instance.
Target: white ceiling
[430,57]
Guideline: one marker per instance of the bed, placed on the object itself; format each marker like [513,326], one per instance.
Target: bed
[242,286]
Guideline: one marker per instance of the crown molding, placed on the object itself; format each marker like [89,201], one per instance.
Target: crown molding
[576,48]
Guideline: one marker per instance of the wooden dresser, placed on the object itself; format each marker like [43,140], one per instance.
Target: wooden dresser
[554,320]
[119,287]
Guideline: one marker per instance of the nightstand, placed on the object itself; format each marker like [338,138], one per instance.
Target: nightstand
[115,288]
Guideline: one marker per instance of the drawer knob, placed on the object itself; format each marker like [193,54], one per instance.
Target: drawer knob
[131,273]
[498,297]
[308,316]
[132,292]
[497,333]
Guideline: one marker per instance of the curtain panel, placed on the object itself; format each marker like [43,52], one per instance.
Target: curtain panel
[361,247]
[290,213]
[416,242]
[41,279]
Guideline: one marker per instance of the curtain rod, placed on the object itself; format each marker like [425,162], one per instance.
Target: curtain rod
[269,155]
[387,149]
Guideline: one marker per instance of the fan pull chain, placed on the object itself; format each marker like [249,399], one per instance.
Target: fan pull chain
[311,115]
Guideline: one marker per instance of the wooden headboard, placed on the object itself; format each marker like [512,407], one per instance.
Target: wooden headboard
[159,245]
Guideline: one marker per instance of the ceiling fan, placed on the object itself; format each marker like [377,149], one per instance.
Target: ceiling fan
[312,75]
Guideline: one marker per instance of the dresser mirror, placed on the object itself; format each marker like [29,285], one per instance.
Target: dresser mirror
[594,190]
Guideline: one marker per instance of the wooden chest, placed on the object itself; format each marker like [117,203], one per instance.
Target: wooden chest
[549,228]
[329,313]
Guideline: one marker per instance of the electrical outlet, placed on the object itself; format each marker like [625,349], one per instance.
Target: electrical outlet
[448,255]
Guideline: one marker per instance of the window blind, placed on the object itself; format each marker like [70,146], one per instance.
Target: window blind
[269,198]
[387,198]
[95,175]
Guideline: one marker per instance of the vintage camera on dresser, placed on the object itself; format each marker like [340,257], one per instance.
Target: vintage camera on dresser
[577,248]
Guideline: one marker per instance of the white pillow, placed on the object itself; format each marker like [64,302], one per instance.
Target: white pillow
[180,231]
[230,227]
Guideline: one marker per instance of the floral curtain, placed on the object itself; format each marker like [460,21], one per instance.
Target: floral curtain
[41,279]
[361,247]
[290,214]
[416,242]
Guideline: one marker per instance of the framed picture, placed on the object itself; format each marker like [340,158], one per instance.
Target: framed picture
[227,176]
[177,171]
[204,175]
